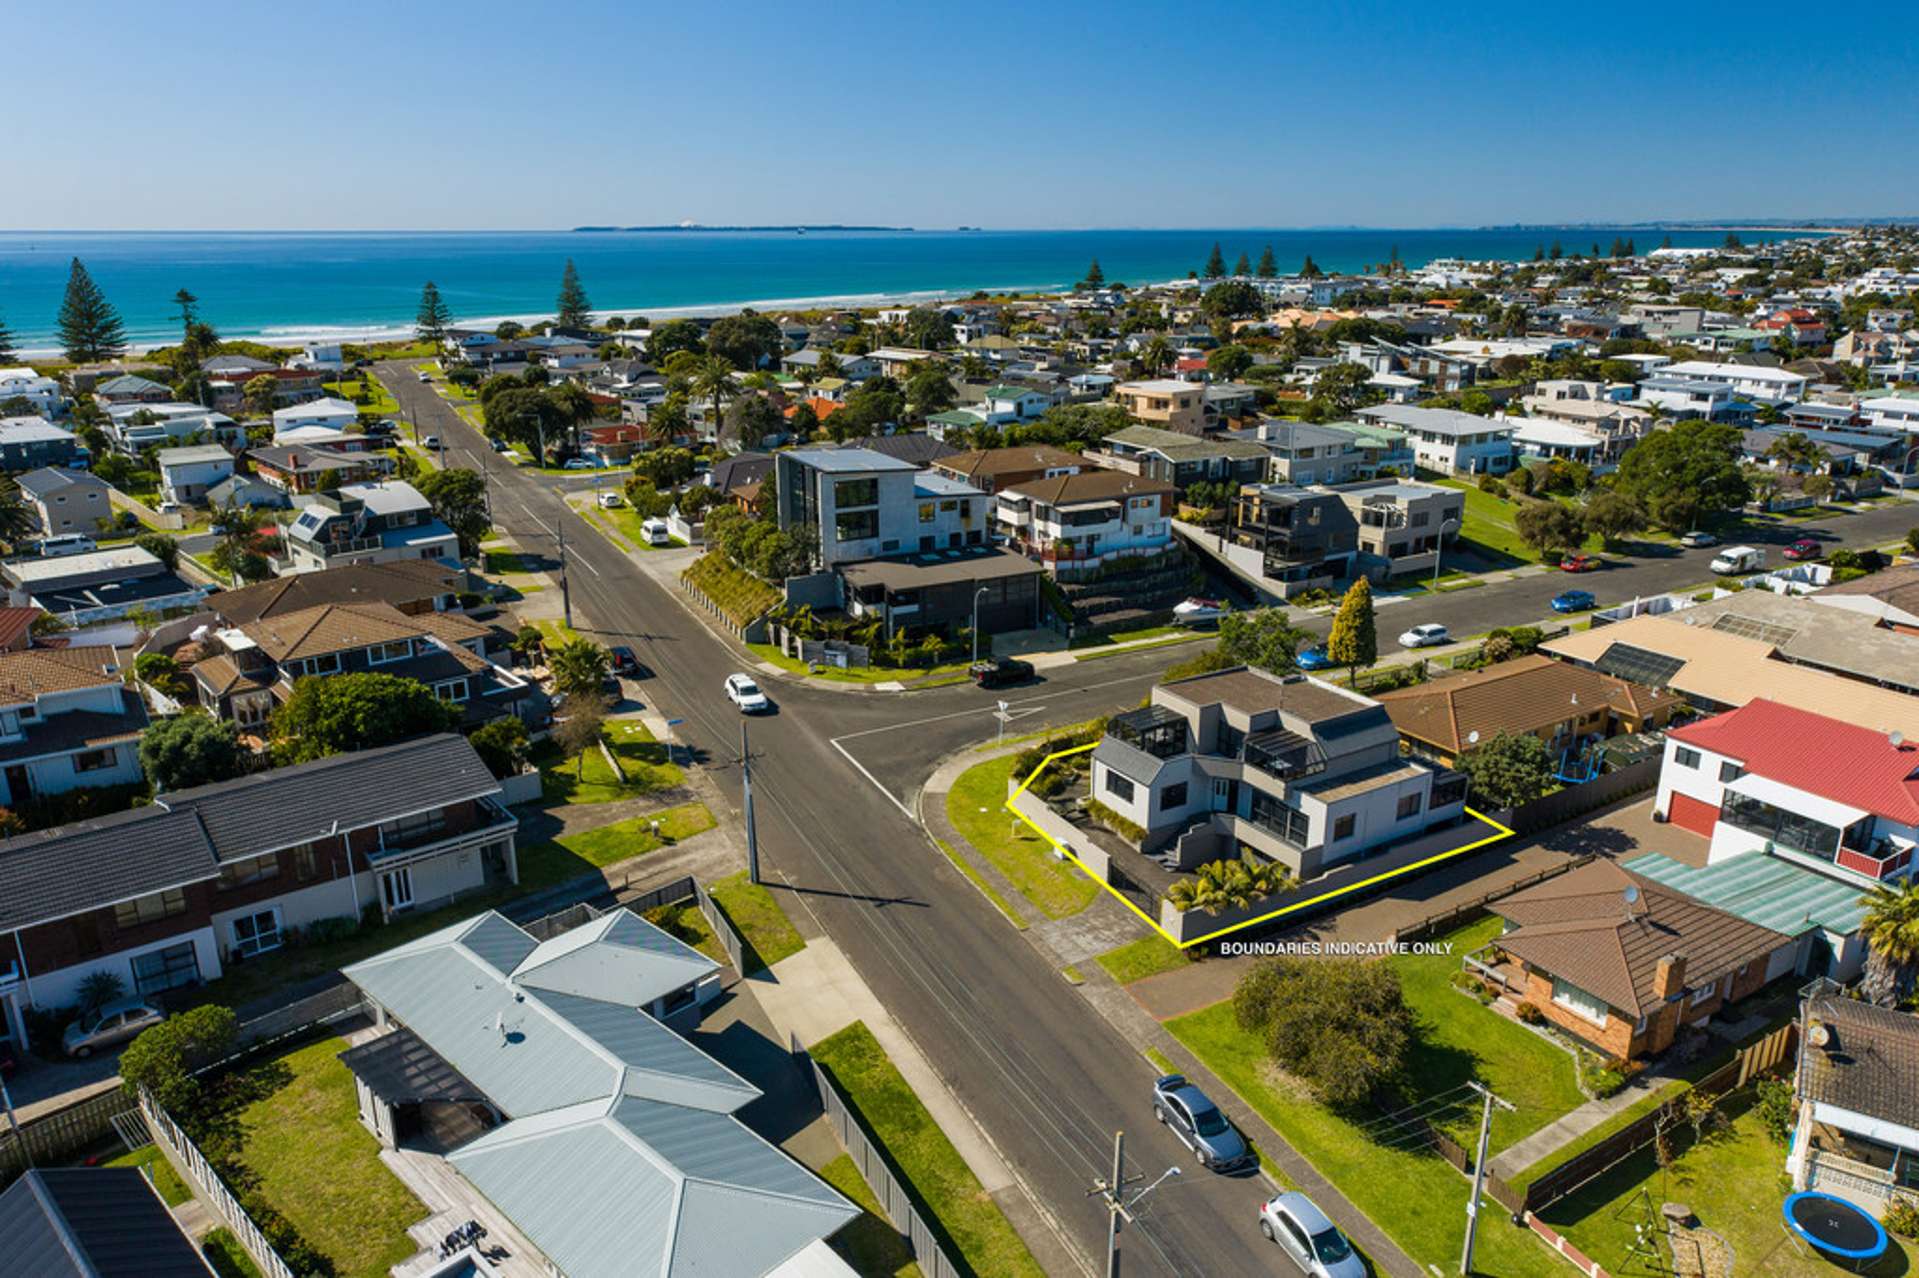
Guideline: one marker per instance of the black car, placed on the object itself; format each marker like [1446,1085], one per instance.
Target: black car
[1000,671]
[624,662]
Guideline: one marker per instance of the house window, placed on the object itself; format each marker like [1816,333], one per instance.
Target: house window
[1173,796]
[1685,757]
[252,869]
[1409,805]
[1449,791]
[167,969]
[928,511]
[1578,1001]
[306,864]
[1119,787]
[412,829]
[856,492]
[382,653]
[257,933]
[1730,772]
[454,691]
[1343,827]
[856,525]
[94,760]
[150,909]
[1703,993]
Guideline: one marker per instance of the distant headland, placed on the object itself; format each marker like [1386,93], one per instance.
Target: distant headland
[794,229]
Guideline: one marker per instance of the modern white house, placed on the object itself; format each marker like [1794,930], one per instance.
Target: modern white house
[318,421]
[1300,770]
[1686,396]
[23,383]
[1547,440]
[1755,382]
[188,474]
[1083,520]
[1900,412]
[1005,404]
[137,426]
[1449,441]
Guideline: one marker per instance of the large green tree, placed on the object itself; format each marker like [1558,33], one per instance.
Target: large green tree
[929,390]
[1612,515]
[1549,527]
[579,667]
[333,714]
[1231,299]
[189,750]
[458,497]
[189,310]
[1340,1026]
[1261,637]
[1268,268]
[1354,641]
[928,329]
[1891,930]
[1215,263]
[1507,770]
[746,341]
[672,337]
[1095,278]
[750,418]
[89,327]
[712,380]
[434,317]
[571,309]
[1689,470]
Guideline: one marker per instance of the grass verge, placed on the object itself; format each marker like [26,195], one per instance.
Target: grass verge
[1148,956]
[1168,642]
[571,855]
[769,935]
[228,1258]
[945,1189]
[871,1245]
[586,778]
[976,806]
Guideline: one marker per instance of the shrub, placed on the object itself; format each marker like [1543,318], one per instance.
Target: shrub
[1605,1082]
[1114,821]
[1902,1217]
[1529,1012]
[1776,1107]
[328,930]
[1340,1025]
[162,1059]
[1492,485]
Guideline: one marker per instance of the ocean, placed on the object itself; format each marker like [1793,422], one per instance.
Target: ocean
[288,286]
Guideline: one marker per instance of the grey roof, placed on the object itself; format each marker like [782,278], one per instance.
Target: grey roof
[1872,1066]
[71,730]
[46,481]
[93,1222]
[53,874]
[622,1155]
[914,446]
[402,1070]
[28,430]
[848,460]
[1439,421]
[1127,759]
[1179,447]
[1806,631]
[191,453]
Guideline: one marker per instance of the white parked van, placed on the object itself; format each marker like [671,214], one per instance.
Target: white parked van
[66,544]
[1736,559]
[656,532]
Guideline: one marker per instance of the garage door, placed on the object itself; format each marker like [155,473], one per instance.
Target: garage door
[1693,814]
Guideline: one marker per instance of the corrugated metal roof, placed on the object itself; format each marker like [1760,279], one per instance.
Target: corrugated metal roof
[92,1222]
[659,1063]
[1849,764]
[708,1146]
[1762,889]
[618,958]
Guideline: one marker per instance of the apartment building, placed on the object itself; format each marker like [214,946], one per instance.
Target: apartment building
[1402,525]
[1165,402]
[1306,537]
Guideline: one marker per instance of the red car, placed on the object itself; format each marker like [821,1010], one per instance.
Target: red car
[1805,548]
[1579,563]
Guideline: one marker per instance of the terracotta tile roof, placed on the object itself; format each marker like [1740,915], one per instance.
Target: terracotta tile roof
[1871,1065]
[1827,757]
[1578,927]
[337,627]
[25,675]
[219,675]
[16,624]
[1518,696]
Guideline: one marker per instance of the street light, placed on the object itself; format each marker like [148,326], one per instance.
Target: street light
[976,594]
[1439,546]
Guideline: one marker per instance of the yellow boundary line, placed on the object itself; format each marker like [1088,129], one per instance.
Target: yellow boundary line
[1502,832]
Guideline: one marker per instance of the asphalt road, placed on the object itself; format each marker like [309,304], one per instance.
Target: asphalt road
[1046,1076]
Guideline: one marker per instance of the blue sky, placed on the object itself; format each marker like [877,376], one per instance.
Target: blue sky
[491,115]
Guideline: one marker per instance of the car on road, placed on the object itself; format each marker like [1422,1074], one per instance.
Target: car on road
[624,662]
[499,445]
[1199,612]
[383,428]
[111,1025]
[1573,601]
[1308,1238]
[578,463]
[609,501]
[1698,538]
[1580,563]
[1425,636]
[1189,1115]
[1000,671]
[1314,658]
[1805,548]
[425,376]
[429,441]
[744,693]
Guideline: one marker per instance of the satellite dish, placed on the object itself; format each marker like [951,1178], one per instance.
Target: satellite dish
[1472,738]
[1632,894]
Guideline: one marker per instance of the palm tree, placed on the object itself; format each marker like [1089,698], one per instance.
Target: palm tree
[239,529]
[1891,929]
[579,666]
[712,379]
[16,520]
[1155,355]
[1229,884]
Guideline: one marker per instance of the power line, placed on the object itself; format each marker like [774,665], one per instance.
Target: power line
[1393,1119]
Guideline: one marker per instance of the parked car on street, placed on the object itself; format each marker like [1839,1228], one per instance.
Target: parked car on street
[1697,538]
[1189,1115]
[113,1024]
[578,463]
[1425,636]
[429,441]
[1736,559]
[499,445]
[1580,563]
[1308,1238]
[1000,671]
[744,693]
[621,658]
[1805,548]
[1573,601]
[1199,612]
[610,501]
[1313,658]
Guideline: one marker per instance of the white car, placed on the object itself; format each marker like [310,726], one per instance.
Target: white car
[429,441]
[744,693]
[425,376]
[1310,1241]
[578,463]
[609,501]
[1425,636]
[1697,538]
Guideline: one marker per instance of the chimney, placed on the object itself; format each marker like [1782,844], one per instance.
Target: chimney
[1669,978]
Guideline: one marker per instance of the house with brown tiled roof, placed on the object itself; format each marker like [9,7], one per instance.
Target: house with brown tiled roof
[1622,962]
[411,585]
[1856,1128]
[1565,706]
[992,469]
[1084,519]
[67,722]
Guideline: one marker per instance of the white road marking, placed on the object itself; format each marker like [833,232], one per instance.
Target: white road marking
[891,797]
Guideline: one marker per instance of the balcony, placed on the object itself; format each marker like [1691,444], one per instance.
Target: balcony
[429,840]
[1883,860]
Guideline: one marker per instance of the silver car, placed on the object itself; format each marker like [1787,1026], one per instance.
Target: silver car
[1309,1240]
[111,1026]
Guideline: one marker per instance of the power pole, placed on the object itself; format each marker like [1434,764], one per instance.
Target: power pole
[1112,1191]
[746,802]
[1479,1170]
[566,595]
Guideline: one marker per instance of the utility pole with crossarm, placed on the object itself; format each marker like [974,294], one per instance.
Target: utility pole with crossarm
[1479,1169]
[1112,1191]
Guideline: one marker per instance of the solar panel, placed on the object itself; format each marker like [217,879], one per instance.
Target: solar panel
[1753,628]
[1638,665]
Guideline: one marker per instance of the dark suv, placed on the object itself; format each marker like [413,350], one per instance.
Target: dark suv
[1000,671]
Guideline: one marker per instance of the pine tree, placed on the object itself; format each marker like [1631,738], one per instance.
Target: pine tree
[1215,264]
[1095,277]
[574,310]
[434,316]
[1539,253]
[1555,253]
[1631,249]
[1354,640]
[7,352]
[89,327]
[1242,268]
[1268,268]
[1666,243]
[189,310]
[1310,270]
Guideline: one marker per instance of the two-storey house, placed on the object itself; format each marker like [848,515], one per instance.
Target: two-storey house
[27,443]
[367,523]
[1306,537]
[1449,441]
[1182,460]
[67,722]
[1403,525]
[311,468]
[1165,402]
[1073,523]
[66,501]
[24,383]
[992,469]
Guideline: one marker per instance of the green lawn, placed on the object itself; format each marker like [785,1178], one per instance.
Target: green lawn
[379,399]
[554,632]
[228,1258]
[685,922]
[947,1192]
[1125,636]
[757,917]
[586,778]
[1734,1182]
[571,855]
[977,808]
[501,562]
[1168,641]
[1490,530]
[743,597]
[871,1245]
[320,1168]
[173,1190]
[1148,956]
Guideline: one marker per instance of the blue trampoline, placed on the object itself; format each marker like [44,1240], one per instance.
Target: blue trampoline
[1835,1227]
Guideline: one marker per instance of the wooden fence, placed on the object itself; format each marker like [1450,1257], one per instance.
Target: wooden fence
[1475,909]
[1577,800]
[61,1135]
[209,1188]
[895,1201]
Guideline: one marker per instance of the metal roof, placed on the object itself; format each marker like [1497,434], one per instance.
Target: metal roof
[1762,889]
[93,1222]
[400,1070]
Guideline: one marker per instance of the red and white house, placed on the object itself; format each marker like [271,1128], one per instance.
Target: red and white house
[1834,796]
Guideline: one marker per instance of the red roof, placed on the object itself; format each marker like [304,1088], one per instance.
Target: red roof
[1189,365]
[1827,757]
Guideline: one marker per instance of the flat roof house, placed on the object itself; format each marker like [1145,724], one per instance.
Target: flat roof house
[1303,772]
[103,585]
[66,501]
[1402,524]
[1306,537]
[1690,397]
[1165,402]
[1450,441]
[30,442]
[133,428]
[611,1143]
[165,895]
[1549,440]
[24,383]
[367,523]
[1776,386]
